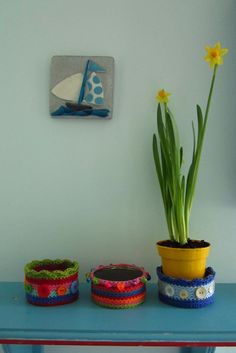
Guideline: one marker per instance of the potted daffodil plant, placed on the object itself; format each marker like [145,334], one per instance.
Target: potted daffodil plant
[177,189]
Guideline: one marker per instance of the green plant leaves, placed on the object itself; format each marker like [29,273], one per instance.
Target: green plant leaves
[168,158]
[178,191]
[193,170]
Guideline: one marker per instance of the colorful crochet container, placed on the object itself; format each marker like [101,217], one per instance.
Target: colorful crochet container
[51,282]
[119,286]
[195,293]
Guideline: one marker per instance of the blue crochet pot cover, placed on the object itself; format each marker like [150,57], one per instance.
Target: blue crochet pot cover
[195,293]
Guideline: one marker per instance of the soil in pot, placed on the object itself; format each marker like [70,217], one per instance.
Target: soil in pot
[191,244]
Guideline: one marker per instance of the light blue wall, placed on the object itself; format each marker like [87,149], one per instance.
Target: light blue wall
[88,189]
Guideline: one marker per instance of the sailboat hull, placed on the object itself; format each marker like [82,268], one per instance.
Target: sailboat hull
[78,107]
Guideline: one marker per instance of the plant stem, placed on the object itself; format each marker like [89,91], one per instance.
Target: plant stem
[209,97]
[199,151]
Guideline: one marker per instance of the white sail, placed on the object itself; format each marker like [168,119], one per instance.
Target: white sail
[69,88]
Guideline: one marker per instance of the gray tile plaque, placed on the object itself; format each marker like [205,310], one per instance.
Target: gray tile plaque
[81,87]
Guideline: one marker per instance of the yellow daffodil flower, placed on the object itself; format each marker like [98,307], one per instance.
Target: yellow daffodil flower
[163,96]
[215,54]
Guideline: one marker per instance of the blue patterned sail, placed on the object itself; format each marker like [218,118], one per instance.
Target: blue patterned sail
[94,91]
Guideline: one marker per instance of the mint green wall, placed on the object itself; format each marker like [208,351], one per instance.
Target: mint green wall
[88,189]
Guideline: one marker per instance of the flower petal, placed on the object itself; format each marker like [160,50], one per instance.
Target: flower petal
[214,54]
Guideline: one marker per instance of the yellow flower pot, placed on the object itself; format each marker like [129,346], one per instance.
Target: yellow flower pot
[188,263]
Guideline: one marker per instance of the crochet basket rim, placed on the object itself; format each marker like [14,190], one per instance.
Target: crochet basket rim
[209,276]
[143,277]
[72,267]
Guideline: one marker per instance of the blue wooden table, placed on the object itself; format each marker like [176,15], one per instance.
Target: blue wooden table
[26,328]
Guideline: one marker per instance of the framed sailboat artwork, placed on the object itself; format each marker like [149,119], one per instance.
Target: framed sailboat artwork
[81,87]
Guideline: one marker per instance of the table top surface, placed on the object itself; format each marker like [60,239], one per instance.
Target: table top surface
[84,321]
